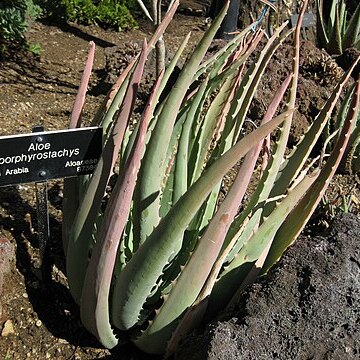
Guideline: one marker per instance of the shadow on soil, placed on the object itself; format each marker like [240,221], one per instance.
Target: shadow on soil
[68,28]
[49,297]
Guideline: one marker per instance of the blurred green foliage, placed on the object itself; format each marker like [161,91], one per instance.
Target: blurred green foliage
[16,17]
[114,14]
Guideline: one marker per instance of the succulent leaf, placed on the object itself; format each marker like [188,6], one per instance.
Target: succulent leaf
[96,289]
[148,204]
[352,33]
[167,245]
[135,281]
[301,213]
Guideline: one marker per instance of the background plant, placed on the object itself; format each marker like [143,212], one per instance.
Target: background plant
[337,28]
[116,14]
[351,159]
[15,17]
[161,248]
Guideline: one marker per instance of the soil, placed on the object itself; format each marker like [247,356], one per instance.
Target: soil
[305,308]
[42,322]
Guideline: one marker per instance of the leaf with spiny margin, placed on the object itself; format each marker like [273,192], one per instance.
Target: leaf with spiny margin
[241,229]
[214,120]
[167,198]
[251,251]
[235,273]
[255,206]
[71,190]
[298,156]
[146,266]
[321,26]
[335,44]
[95,294]
[148,204]
[245,93]
[353,30]
[225,64]
[220,57]
[203,216]
[244,225]
[182,157]
[252,79]
[266,182]
[219,74]
[196,271]
[226,95]
[168,72]
[126,247]
[195,132]
[298,218]
[82,229]
[214,117]
[264,186]
[208,251]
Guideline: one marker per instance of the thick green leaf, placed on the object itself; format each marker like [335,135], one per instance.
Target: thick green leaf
[96,289]
[148,204]
[352,33]
[302,212]
[75,117]
[335,40]
[139,276]
[82,232]
[321,26]
[297,158]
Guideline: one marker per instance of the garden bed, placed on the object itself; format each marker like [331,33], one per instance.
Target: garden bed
[39,322]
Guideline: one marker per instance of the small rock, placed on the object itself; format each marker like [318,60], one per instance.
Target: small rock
[38,323]
[8,328]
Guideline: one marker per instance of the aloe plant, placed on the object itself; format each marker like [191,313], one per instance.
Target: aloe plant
[339,30]
[163,249]
[351,159]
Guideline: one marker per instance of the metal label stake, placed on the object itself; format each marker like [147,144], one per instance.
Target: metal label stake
[42,212]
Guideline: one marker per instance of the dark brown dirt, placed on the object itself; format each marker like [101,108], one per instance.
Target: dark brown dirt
[306,308]
[319,74]
[43,322]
